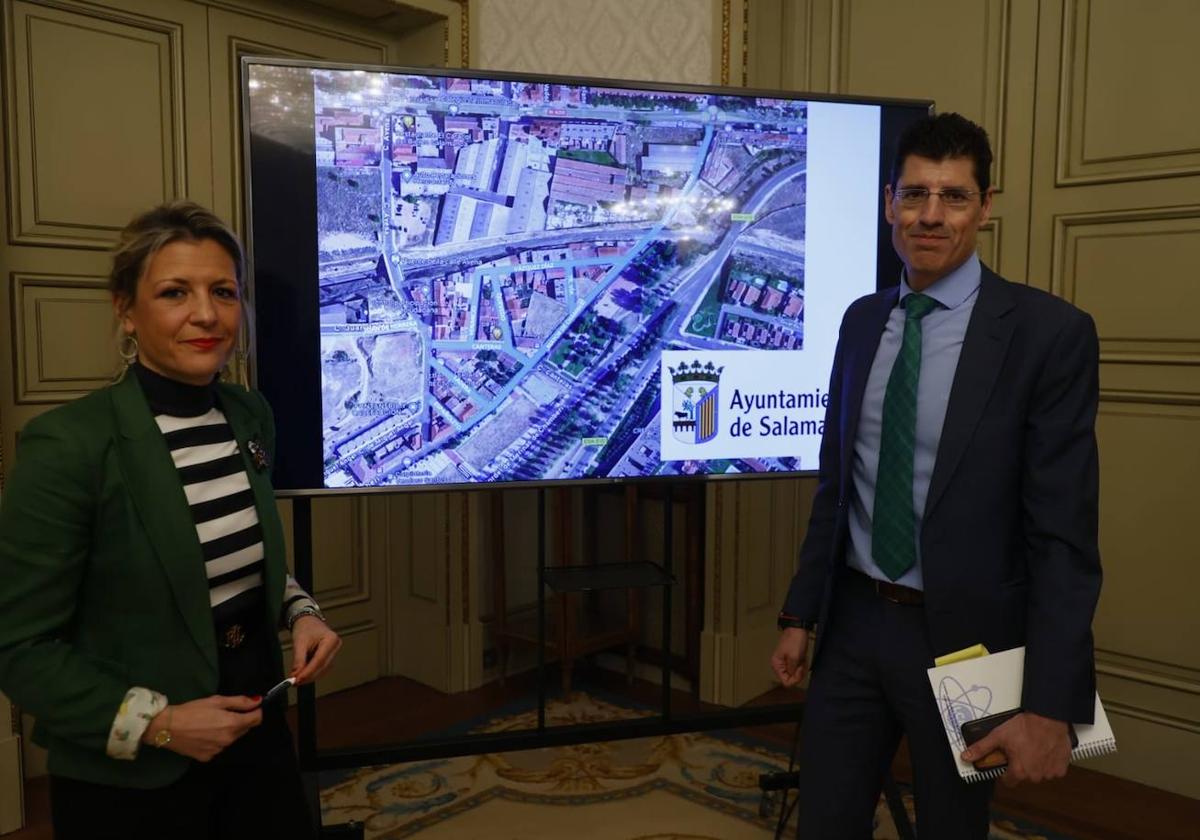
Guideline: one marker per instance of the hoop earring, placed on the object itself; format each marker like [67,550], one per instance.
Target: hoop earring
[235,369]
[127,347]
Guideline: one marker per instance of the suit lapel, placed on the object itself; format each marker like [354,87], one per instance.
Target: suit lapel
[984,347]
[153,483]
[858,356]
[246,428]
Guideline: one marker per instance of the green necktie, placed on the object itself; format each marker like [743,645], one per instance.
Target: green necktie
[894,523]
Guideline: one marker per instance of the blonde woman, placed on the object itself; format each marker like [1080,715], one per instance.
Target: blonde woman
[144,573]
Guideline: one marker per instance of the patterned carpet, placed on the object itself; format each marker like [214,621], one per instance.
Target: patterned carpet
[693,786]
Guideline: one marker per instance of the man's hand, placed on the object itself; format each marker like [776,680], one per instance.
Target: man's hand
[202,728]
[790,658]
[1037,748]
[314,644]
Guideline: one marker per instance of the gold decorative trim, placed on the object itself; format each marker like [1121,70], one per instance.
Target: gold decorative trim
[444,499]
[726,15]
[464,524]
[737,552]
[745,43]
[718,494]
[465,36]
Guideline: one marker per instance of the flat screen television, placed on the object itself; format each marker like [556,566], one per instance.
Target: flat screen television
[466,277]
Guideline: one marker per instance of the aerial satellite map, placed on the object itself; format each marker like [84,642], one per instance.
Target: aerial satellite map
[502,265]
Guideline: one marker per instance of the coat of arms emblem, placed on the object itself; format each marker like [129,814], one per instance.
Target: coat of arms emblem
[695,401]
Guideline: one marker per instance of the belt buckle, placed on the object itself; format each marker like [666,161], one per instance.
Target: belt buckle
[883,592]
[233,637]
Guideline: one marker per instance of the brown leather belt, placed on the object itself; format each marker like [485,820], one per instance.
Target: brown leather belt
[893,592]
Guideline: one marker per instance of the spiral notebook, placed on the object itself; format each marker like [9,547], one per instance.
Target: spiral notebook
[975,688]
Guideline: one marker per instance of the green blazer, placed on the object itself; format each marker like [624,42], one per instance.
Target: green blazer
[102,582]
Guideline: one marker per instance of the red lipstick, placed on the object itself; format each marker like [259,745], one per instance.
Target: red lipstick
[204,343]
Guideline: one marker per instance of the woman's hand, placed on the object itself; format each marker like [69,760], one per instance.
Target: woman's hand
[314,644]
[202,728]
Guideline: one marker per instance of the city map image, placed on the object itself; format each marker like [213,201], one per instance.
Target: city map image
[502,264]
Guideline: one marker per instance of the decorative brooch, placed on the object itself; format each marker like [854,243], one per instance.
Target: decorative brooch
[258,454]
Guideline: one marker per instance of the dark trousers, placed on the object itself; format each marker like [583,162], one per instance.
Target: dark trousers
[251,790]
[868,688]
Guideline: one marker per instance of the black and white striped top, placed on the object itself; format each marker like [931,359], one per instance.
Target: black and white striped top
[218,491]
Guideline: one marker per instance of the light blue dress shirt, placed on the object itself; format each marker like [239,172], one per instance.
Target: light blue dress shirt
[942,333]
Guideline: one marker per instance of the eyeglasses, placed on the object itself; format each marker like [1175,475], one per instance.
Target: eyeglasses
[954,198]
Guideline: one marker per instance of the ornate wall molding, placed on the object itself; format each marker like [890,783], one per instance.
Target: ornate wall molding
[1080,126]
[45,203]
[1168,338]
[45,307]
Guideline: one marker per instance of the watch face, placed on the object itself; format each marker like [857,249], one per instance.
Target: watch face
[162,737]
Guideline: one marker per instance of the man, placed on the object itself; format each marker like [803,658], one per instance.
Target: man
[957,505]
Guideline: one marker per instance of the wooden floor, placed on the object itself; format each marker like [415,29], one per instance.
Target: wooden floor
[1085,805]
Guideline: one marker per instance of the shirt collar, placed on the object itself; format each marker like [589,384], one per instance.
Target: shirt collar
[955,288]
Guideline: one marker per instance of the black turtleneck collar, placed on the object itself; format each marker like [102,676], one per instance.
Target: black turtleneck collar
[170,396]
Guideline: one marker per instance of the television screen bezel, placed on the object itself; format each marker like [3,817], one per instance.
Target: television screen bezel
[885,255]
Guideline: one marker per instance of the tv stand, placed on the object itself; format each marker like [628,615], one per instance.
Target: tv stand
[566,581]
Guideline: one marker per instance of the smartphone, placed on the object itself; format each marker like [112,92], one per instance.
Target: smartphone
[278,689]
[973,730]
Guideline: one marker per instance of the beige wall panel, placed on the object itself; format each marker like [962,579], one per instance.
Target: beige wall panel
[96,122]
[988,245]
[1151,688]
[232,36]
[1151,749]
[663,40]
[983,66]
[341,567]
[62,328]
[427,46]
[429,543]
[1124,71]
[877,58]
[520,548]
[429,33]
[755,529]
[1130,378]
[348,559]
[1150,475]
[1099,255]
[361,653]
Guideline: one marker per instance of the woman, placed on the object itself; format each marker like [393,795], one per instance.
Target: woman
[142,561]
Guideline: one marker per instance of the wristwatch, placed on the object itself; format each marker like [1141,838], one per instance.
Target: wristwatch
[307,609]
[163,736]
[785,621]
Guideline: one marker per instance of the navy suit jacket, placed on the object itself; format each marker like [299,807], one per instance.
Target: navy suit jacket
[1008,536]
